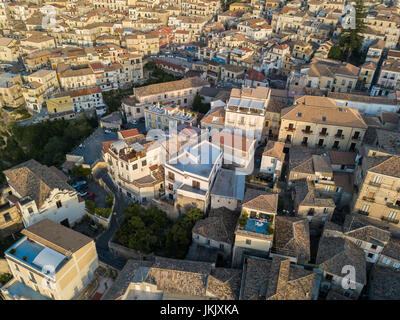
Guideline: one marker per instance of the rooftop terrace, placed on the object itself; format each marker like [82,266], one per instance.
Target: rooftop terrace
[36,255]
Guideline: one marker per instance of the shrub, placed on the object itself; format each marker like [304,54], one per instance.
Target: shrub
[12,251]
[5,277]
[242,222]
[103,212]
[109,200]
[90,206]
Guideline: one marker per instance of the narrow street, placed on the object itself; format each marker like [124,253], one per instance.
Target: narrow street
[103,251]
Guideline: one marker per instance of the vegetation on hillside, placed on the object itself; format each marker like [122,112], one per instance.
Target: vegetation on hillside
[47,142]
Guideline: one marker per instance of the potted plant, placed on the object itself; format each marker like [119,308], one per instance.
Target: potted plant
[242,222]
[12,251]
[24,258]
[243,219]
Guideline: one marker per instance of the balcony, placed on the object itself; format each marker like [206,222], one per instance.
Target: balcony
[323,134]
[392,206]
[123,179]
[368,199]
[290,129]
[307,131]
[390,220]
[339,136]
[374,184]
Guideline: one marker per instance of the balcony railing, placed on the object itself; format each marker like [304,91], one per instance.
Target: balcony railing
[123,179]
[390,220]
[323,134]
[364,213]
[392,206]
[307,131]
[340,136]
[374,184]
[290,129]
[369,199]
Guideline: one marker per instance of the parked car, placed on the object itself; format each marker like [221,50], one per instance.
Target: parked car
[107,131]
[82,193]
[258,163]
[133,121]
[79,183]
[90,196]
[82,188]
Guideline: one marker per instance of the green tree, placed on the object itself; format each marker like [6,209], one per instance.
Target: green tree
[80,172]
[178,239]
[335,53]
[350,40]
[197,104]
[109,200]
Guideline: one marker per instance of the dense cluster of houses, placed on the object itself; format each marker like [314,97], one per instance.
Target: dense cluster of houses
[296,165]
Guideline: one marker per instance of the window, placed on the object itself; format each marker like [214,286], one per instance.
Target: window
[392,215]
[134,166]
[377,179]
[16,267]
[221,246]
[196,184]
[59,204]
[329,277]
[171,176]
[30,210]
[374,246]
[144,162]
[365,208]
[358,243]
[32,277]
[7,217]
[248,241]
[370,255]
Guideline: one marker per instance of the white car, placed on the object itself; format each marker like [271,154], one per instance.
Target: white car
[133,121]
[107,131]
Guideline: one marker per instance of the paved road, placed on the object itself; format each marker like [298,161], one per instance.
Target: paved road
[91,147]
[103,251]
